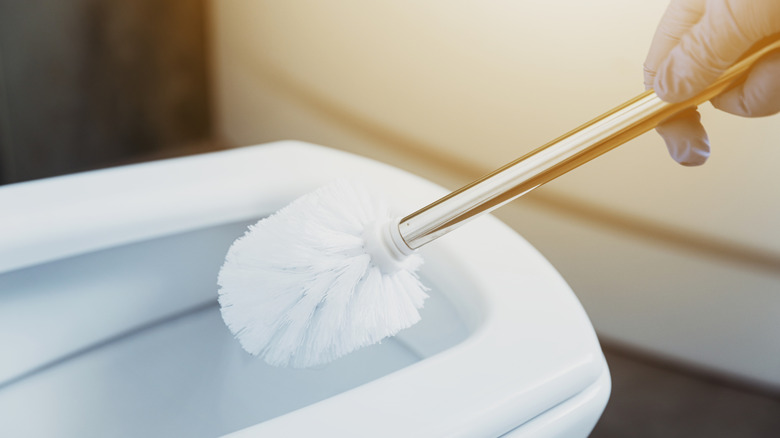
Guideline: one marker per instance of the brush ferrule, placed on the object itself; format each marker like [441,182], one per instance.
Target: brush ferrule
[388,251]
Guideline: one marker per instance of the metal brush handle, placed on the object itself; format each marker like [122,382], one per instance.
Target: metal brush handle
[561,155]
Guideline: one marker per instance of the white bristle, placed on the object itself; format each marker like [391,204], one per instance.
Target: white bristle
[300,289]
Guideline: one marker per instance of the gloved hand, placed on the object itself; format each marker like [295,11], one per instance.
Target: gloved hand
[695,42]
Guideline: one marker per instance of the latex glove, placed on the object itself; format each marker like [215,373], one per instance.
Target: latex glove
[695,42]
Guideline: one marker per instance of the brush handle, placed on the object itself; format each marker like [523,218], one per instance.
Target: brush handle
[561,155]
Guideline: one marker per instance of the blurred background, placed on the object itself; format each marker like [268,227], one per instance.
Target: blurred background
[91,83]
[678,268]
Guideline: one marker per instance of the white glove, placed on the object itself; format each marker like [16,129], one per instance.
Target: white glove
[695,42]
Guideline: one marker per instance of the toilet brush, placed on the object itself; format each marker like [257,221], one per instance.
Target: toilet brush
[333,271]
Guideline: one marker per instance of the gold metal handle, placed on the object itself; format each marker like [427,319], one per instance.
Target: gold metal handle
[571,150]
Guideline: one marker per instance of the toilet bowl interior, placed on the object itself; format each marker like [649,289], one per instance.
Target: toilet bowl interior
[129,341]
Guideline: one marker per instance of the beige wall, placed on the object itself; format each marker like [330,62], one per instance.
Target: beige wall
[675,261]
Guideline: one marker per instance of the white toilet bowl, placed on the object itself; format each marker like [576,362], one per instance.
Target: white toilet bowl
[109,324]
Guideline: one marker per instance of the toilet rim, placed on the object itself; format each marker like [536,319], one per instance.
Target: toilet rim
[65,216]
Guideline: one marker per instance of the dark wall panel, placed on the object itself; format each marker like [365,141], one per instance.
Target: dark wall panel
[90,83]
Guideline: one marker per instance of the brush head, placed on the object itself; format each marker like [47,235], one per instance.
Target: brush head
[318,279]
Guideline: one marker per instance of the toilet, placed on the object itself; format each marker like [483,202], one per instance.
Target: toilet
[109,323]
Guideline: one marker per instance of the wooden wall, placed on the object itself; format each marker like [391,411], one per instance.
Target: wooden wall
[91,83]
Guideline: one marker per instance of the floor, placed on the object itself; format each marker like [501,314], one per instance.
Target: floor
[653,399]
